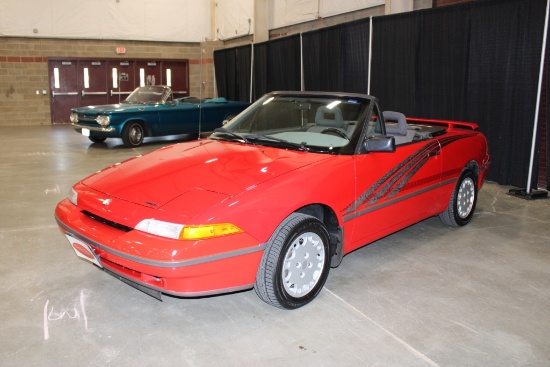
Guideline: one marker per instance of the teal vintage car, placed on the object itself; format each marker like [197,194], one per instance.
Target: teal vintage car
[151,111]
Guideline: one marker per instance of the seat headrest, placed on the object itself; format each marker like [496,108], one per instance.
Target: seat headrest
[331,117]
[395,129]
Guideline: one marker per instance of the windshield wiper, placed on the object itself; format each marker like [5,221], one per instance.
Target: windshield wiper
[259,137]
[223,130]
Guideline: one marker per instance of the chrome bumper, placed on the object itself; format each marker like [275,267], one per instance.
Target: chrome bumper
[94,128]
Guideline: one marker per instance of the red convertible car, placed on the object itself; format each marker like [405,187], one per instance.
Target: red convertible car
[275,198]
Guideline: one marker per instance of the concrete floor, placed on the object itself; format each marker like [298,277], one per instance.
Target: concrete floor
[426,296]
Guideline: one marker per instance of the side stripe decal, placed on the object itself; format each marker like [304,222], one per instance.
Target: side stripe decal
[397,179]
[393,201]
[383,185]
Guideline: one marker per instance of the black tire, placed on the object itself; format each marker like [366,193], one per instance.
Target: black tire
[133,134]
[295,264]
[463,201]
[97,139]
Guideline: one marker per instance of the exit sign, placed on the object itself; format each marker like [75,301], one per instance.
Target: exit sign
[120,50]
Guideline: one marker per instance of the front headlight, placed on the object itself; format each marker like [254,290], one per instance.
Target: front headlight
[103,120]
[182,232]
[73,196]
[74,118]
[160,228]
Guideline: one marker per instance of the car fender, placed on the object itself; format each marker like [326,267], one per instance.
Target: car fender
[260,209]
[143,122]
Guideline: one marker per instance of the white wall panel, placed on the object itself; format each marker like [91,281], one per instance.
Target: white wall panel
[290,12]
[159,20]
[335,7]
[232,18]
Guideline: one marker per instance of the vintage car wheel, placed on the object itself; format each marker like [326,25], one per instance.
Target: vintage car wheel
[463,201]
[133,134]
[97,139]
[295,263]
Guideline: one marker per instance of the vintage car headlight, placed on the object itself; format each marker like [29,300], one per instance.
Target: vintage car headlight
[74,118]
[73,196]
[182,232]
[103,120]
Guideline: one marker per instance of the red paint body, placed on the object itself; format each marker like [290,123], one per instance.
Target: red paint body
[255,187]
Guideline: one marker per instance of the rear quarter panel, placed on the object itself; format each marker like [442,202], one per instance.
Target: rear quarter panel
[460,149]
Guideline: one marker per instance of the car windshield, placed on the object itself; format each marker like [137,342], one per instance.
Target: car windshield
[149,94]
[312,122]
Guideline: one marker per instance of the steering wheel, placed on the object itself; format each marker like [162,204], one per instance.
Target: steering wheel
[334,131]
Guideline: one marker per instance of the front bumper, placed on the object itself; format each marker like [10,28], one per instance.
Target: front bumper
[94,128]
[227,263]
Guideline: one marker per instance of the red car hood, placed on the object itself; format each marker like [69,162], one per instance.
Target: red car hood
[223,168]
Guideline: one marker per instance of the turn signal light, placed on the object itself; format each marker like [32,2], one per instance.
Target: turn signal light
[208,231]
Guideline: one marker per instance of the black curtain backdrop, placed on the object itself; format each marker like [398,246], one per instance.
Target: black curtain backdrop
[261,70]
[321,54]
[354,56]
[277,65]
[225,62]
[505,50]
[476,62]
[443,60]
[547,105]
[232,70]
[394,62]
[337,58]
[244,59]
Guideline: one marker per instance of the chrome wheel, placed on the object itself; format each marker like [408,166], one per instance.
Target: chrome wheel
[303,264]
[462,203]
[136,134]
[133,134]
[465,198]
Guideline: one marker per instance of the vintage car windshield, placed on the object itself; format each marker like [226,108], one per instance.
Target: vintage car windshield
[321,123]
[150,94]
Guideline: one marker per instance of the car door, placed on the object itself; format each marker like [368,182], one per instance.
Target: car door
[178,118]
[394,189]
[213,114]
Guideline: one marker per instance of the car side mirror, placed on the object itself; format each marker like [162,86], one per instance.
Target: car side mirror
[378,144]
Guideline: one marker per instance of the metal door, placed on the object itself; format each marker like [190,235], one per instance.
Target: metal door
[122,80]
[175,75]
[92,82]
[148,73]
[63,89]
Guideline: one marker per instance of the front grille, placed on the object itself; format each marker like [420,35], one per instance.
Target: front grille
[107,222]
[87,118]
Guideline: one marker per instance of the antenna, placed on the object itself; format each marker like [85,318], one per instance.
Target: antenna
[200,93]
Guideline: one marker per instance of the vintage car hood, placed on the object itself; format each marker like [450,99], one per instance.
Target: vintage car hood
[221,169]
[110,108]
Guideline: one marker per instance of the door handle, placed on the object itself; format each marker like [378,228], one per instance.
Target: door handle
[54,93]
[118,93]
[84,93]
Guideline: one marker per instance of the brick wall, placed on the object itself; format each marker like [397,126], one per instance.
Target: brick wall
[24,70]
